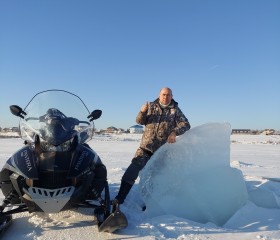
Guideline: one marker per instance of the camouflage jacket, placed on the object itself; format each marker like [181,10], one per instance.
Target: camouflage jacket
[159,123]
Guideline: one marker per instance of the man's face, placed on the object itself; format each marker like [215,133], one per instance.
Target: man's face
[165,96]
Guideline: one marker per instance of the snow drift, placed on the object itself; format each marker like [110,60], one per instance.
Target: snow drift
[192,178]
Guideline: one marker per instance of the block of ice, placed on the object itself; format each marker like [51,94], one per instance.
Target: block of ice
[192,178]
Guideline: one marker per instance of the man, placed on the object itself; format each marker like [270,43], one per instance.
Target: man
[163,121]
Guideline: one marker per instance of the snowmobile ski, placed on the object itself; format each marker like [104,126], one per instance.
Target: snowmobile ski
[115,221]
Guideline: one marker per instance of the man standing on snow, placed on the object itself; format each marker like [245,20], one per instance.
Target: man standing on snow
[163,121]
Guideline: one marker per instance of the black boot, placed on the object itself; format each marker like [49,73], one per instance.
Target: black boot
[124,190]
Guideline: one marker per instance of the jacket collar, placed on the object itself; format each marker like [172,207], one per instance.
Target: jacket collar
[173,103]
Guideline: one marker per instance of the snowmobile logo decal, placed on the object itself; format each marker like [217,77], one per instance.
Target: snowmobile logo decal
[81,158]
[24,154]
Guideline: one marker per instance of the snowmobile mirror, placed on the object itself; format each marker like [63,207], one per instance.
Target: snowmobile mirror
[95,115]
[17,111]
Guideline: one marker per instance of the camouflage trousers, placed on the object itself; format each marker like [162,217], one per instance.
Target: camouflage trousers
[139,161]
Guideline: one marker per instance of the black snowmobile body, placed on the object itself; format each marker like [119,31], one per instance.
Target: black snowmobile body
[53,172]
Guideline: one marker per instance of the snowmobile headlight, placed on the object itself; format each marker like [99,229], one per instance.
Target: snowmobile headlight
[63,147]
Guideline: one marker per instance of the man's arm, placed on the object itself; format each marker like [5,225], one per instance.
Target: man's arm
[182,123]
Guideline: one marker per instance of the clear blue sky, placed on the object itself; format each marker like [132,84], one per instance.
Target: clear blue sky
[221,58]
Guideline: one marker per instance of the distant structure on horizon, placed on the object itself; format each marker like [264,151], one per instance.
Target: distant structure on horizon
[136,129]
[241,131]
[140,129]
[254,132]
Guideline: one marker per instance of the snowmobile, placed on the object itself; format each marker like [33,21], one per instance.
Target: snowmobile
[52,171]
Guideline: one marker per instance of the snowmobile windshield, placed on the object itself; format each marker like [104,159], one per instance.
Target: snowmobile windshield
[56,116]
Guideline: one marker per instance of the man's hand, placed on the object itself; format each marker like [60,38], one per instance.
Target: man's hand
[144,107]
[171,138]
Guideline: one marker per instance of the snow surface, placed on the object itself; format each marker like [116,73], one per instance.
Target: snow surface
[257,156]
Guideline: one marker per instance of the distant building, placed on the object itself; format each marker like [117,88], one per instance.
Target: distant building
[241,131]
[268,132]
[136,129]
[10,129]
[112,130]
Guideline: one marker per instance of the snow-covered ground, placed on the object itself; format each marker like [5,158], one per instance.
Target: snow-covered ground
[257,156]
